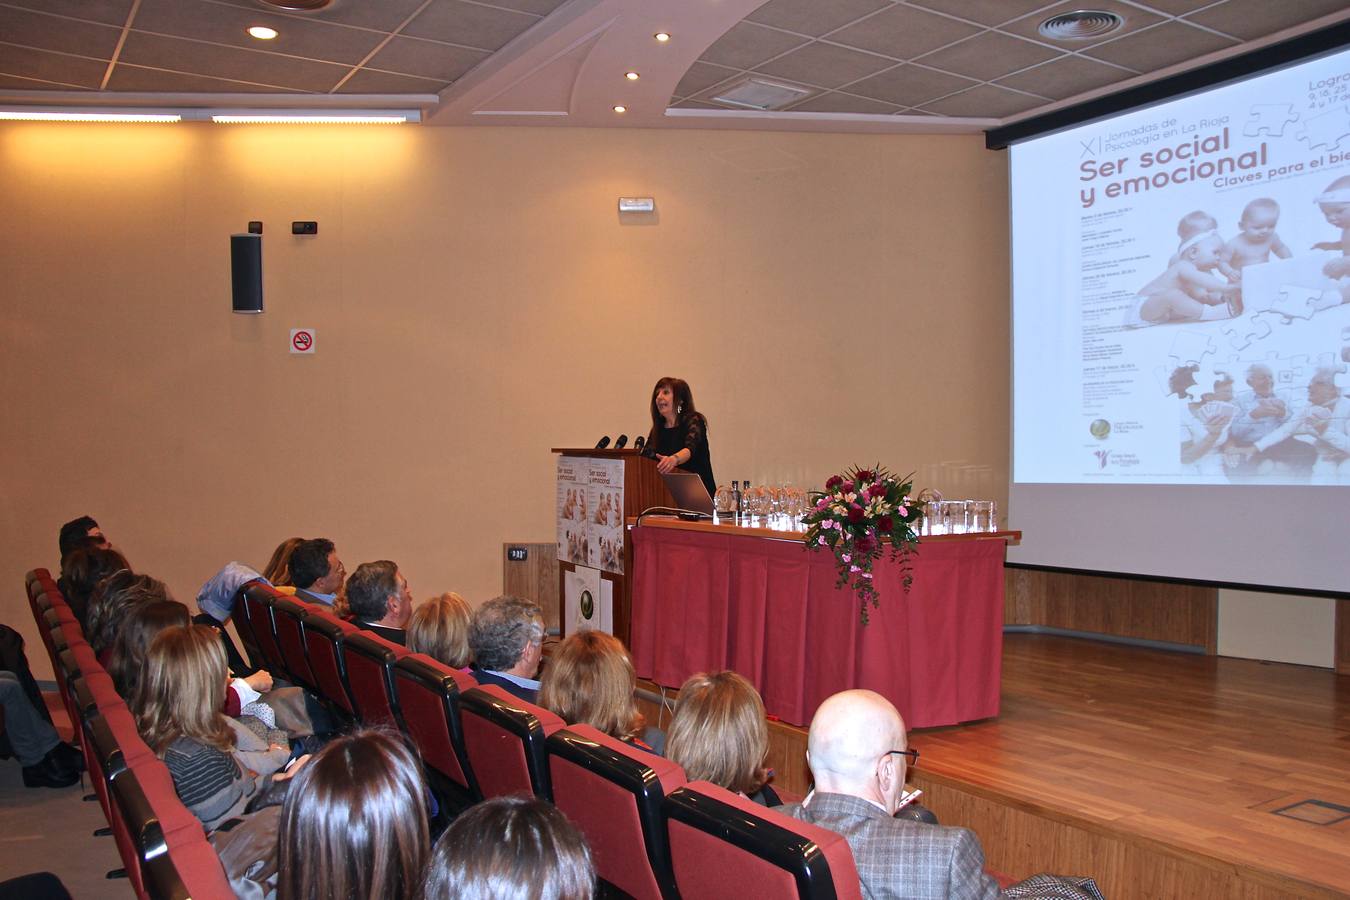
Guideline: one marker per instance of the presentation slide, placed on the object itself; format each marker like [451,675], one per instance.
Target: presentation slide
[1181,290]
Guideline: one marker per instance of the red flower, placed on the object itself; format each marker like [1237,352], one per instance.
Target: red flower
[833,482]
[855,514]
[885,524]
[866,475]
[878,489]
[865,544]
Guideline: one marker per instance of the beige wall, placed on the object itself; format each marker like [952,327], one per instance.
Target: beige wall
[831,298]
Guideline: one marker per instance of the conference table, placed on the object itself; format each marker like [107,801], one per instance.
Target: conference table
[753,599]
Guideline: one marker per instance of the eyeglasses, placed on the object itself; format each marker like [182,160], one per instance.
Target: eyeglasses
[911,755]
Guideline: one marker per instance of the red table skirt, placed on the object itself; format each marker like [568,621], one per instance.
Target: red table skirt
[770,610]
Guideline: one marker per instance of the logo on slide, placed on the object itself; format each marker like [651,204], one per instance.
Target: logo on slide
[1102,457]
[587,605]
[1100,428]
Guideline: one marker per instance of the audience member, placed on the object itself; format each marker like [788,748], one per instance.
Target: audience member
[380,601]
[47,760]
[719,734]
[278,568]
[857,751]
[82,570]
[440,629]
[316,571]
[590,681]
[511,848]
[216,600]
[142,625]
[217,763]
[112,599]
[77,532]
[506,637]
[354,824]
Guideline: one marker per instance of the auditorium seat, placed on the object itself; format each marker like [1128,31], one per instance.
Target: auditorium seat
[505,738]
[369,661]
[288,616]
[714,831]
[243,625]
[257,606]
[614,793]
[428,698]
[324,636]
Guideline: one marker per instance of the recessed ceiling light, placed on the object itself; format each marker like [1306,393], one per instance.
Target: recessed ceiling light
[631,76]
[661,36]
[621,109]
[297,5]
[262,32]
[1080,24]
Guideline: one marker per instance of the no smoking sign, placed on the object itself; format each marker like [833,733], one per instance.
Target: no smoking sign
[302,340]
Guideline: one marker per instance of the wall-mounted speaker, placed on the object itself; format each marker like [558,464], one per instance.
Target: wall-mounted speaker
[246,272]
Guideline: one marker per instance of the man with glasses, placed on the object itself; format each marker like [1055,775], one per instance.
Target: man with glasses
[858,754]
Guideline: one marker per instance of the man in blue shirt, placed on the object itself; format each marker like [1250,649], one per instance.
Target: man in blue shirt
[316,571]
[507,639]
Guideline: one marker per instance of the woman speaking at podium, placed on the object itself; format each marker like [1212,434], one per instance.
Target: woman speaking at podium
[679,434]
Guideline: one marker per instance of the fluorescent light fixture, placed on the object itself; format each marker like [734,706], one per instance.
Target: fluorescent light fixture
[38,115]
[262,32]
[314,118]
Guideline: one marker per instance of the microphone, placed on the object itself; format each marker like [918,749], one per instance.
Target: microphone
[637,445]
[602,443]
[621,442]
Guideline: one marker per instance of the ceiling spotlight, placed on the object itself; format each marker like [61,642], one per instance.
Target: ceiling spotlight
[297,5]
[661,36]
[262,32]
[621,109]
[631,76]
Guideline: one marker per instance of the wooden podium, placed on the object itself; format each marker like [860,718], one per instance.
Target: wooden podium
[642,489]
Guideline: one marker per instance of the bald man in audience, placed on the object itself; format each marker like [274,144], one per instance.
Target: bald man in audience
[858,753]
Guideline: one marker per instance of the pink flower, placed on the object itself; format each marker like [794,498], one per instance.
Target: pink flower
[854,569]
[822,503]
[902,511]
[867,574]
[846,557]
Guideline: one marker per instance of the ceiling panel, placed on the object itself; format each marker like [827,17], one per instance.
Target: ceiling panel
[1161,46]
[825,65]
[1248,19]
[197,58]
[470,24]
[54,67]
[746,45]
[1135,18]
[42,32]
[109,12]
[812,16]
[227,25]
[989,55]
[984,100]
[910,85]
[380,15]
[836,102]
[701,76]
[1066,77]
[428,59]
[986,12]
[137,78]
[903,32]
[371,81]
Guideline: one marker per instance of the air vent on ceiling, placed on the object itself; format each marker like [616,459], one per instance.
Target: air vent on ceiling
[1080,24]
[297,5]
[755,93]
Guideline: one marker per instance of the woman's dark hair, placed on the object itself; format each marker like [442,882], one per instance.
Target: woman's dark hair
[511,848]
[354,823]
[112,599]
[278,571]
[82,570]
[143,623]
[684,406]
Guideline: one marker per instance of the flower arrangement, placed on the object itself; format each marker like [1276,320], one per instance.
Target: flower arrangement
[857,516]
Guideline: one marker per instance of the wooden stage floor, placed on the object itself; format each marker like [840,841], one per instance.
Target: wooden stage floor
[1159,774]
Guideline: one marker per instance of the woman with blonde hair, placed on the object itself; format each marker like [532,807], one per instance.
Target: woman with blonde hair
[719,734]
[354,823]
[440,629]
[217,763]
[590,681]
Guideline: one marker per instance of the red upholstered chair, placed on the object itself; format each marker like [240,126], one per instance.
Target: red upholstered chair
[428,699]
[614,793]
[253,652]
[713,831]
[288,617]
[505,738]
[256,605]
[369,660]
[324,636]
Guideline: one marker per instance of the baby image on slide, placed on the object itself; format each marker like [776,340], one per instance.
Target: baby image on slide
[1187,291]
[1256,238]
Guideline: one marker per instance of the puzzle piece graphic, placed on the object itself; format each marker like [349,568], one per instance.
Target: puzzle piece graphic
[1269,119]
[1330,362]
[1345,333]
[1296,301]
[1328,129]
[1190,347]
[1242,336]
